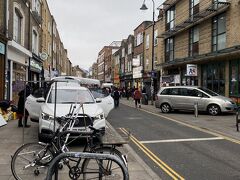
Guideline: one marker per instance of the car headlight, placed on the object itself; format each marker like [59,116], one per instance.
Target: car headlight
[99,116]
[47,117]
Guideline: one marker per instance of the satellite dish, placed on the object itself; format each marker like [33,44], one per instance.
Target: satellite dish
[43,56]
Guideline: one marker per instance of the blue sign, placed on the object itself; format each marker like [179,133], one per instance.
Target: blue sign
[2,48]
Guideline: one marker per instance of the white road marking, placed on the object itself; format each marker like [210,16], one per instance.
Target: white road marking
[182,140]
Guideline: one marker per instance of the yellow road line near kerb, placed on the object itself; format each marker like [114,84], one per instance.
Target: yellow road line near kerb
[216,133]
[153,157]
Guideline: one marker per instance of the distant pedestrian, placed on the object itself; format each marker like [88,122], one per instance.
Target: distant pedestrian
[21,102]
[137,95]
[128,93]
[116,96]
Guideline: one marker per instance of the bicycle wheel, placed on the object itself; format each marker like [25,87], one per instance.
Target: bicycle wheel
[103,169]
[30,161]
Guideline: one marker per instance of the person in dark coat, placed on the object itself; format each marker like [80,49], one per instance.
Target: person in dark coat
[21,102]
[116,96]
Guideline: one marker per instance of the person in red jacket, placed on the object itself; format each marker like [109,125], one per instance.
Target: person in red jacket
[137,95]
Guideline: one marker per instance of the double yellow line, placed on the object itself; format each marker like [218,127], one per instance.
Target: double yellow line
[153,157]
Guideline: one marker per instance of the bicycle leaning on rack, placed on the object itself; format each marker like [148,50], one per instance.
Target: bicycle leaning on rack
[33,159]
[107,166]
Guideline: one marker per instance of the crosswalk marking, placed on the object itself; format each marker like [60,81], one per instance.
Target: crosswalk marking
[181,140]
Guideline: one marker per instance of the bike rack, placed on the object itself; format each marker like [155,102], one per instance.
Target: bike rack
[237,118]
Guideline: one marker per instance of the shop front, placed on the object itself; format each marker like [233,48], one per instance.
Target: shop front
[234,80]
[35,69]
[17,69]
[2,69]
[137,77]
[128,80]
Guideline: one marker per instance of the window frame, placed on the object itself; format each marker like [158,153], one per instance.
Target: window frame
[192,43]
[170,21]
[168,46]
[215,29]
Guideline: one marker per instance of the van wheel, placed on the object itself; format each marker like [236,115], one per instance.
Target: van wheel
[213,109]
[165,108]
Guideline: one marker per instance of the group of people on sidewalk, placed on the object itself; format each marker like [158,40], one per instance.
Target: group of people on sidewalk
[137,95]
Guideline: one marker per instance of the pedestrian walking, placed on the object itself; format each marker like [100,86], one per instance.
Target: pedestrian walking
[116,96]
[128,92]
[21,102]
[137,95]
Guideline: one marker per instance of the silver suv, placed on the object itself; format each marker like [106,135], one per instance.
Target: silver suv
[184,98]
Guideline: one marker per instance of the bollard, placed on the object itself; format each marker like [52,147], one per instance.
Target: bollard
[196,109]
[237,119]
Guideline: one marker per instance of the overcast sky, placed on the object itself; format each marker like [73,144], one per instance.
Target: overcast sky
[85,26]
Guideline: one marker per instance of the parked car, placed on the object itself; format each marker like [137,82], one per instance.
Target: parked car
[107,102]
[184,98]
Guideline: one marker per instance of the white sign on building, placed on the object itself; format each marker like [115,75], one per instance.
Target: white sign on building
[136,62]
[191,70]
[137,72]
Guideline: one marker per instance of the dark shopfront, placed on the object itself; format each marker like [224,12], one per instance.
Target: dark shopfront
[234,80]
[128,81]
[213,77]
[35,69]
[2,68]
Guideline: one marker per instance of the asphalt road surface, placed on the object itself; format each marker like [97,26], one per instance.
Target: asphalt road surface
[175,151]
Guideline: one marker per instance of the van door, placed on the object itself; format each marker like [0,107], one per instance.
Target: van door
[184,100]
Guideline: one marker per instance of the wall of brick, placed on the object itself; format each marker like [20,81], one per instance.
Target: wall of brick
[181,45]
[233,24]
[182,11]
[205,37]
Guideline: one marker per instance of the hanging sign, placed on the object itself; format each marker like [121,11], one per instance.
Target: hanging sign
[191,70]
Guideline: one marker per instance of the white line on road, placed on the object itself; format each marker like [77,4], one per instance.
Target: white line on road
[182,140]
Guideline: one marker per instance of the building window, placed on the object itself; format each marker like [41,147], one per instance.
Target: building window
[213,77]
[219,32]
[217,3]
[139,39]
[170,18]
[123,52]
[130,48]
[155,37]
[169,49]
[234,78]
[18,19]
[147,41]
[193,41]
[194,8]
[34,42]
[36,6]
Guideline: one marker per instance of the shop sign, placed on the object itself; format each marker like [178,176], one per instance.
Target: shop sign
[43,56]
[191,70]
[136,62]
[35,66]
[137,72]
[2,48]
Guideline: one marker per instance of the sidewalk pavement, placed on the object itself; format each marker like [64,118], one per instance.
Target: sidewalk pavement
[11,138]
[221,125]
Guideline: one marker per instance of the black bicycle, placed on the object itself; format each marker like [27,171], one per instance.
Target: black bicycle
[33,159]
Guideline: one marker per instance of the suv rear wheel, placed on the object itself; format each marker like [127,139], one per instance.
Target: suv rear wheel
[213,109]
[165,108]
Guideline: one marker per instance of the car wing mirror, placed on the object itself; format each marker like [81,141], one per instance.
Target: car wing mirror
[40,100]
[98,100]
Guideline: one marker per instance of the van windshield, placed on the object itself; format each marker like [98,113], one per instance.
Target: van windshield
[68,96]
[208,91]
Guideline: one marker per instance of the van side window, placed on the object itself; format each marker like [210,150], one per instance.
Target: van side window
[174,91]
[183,92]
[165,92]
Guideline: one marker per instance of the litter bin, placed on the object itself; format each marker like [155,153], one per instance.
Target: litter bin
[144,99]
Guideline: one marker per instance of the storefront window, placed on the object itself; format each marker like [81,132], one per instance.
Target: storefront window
[213,77]
[234,78]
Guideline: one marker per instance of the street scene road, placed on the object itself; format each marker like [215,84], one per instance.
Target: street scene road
[174,150]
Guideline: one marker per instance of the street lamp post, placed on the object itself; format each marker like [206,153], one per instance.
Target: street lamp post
[144,7]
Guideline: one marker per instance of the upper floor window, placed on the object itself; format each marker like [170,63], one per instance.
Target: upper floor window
[17,26]
[217,3]
[139,39]
[155,37]
[34,42]
[147,41]
[130,48]
[169,49]
[170,18]
[193,41]
[219,32]
[36,6]
[194,8]
[123,52]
